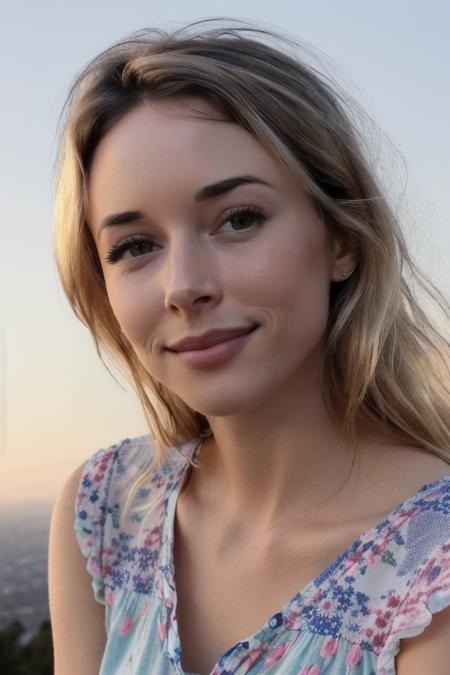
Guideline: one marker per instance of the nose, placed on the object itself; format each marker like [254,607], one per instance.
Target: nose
[190,278]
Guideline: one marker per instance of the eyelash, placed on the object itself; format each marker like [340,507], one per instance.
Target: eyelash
[117,251]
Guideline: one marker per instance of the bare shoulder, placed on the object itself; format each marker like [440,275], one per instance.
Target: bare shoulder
[431,464]
[69,488]
[77,619]
[419,466]
[392,473]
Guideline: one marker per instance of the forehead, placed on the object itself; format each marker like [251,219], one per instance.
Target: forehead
[184,142]
[167,124]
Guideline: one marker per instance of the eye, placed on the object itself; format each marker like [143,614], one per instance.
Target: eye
[244,217]
[134,246]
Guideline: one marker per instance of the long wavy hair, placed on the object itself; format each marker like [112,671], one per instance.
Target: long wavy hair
[387,364]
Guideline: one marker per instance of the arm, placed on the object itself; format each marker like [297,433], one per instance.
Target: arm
[78,620]
[427,652]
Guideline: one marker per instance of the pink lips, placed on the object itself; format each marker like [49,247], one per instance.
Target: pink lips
[216,354]
[209,339]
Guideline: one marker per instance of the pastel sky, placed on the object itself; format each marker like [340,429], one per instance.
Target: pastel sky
[58,402]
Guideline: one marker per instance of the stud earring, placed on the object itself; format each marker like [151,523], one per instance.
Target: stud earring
[345,275]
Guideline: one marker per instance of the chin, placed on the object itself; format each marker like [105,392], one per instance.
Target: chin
[222,401]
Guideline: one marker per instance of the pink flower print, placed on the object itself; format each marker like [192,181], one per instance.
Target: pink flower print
[402,516]
[144,608]
[374,554]
[125,626]
[357,554]
[379,640]
[94,567]
[253,656]
[162,630]
[328,607]
[110,596]
[354,656]
[153,538]
[293,621]
[310,670]
[277,653]
[88,544]
[380,622]
[329,647]
[97,514]
[393,601]
[315,597]
[168,603]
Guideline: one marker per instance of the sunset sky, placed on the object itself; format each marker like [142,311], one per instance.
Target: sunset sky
[58,402]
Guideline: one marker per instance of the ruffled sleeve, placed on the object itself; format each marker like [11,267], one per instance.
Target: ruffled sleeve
[91,507]
[428,593]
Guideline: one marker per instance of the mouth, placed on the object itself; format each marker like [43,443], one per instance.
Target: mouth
[216,354]
[209,339]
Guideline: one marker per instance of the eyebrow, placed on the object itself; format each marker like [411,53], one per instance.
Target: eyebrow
[216,189]
[206,192]
[121,218]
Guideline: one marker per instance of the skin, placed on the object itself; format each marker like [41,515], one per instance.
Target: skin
[276,454]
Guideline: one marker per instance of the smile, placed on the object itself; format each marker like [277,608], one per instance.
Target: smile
[215,355]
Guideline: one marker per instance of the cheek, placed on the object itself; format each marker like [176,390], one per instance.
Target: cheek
[290,278]
[134,307]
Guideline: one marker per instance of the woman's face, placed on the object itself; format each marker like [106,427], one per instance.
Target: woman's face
[179,260]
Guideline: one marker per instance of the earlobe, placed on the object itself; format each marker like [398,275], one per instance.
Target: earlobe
[344,260]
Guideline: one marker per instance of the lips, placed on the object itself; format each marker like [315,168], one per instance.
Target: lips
[209,339]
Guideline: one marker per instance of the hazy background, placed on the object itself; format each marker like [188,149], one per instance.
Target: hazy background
[58,402]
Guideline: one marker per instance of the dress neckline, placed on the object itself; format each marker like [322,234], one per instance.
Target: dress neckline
[169,597]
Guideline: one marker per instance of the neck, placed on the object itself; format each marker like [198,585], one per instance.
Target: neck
[276,460]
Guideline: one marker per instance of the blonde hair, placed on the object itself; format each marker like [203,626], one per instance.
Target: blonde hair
[386,364]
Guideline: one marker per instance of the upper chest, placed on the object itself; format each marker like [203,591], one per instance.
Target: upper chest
[228,584]
[224,597]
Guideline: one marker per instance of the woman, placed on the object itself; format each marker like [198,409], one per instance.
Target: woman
[219,231]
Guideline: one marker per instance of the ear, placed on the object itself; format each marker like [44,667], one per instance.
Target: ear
[343,259]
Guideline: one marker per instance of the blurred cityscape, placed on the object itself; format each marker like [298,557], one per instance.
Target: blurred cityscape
[24,531]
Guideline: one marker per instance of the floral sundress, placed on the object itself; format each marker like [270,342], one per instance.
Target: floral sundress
[347,620]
